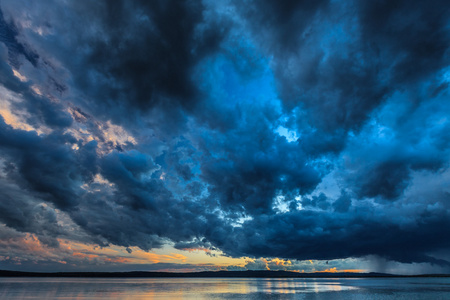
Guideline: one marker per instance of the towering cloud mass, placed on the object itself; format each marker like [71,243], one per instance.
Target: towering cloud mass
[302,130]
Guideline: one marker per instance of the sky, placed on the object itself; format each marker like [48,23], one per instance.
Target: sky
[225,135]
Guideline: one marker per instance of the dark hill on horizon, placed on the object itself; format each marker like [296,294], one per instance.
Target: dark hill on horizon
[209,274]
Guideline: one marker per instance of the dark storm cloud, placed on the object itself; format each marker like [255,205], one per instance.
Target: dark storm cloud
[42,109]
[120,56]
[319,201]
[18,54]
[343,59]
[162,126]
[8,36]
[343,203]
[257,166]
[196,243]
[143,53]
[46,165]
[284,22]
[24,213]
[117,219]
[125,170]
[386,179]
[374,49]
[138,210]
[383,166]
[307,235]
[413,35]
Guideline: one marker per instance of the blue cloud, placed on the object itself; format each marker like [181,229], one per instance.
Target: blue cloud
[220,125]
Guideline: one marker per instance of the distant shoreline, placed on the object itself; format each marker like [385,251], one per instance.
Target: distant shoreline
[208,274]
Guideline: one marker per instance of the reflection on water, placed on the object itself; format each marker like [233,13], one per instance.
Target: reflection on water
[292,285]
[224,288]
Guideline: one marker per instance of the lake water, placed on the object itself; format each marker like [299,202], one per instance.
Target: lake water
[224,288]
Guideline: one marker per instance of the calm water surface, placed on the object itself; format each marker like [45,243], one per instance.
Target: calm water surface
[224,288]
